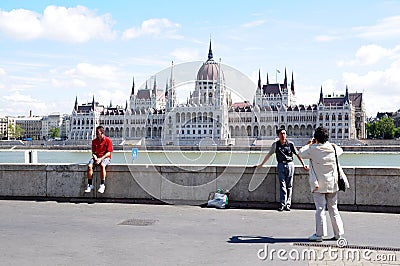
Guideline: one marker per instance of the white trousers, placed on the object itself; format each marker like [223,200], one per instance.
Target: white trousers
[330,200]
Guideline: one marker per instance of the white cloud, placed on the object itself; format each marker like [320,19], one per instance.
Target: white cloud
[17,103]
[380,88]
[104,72]
[385,28]
[253,24]
[77,24]
[154,27]
[329,86]
[2,71]
[369,55]
[20,24]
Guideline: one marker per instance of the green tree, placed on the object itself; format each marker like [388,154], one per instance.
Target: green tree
[397,132]
[55,132]
[386,127]
[372,130]
[15,131]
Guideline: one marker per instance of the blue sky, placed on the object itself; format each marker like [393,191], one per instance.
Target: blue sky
[54,51]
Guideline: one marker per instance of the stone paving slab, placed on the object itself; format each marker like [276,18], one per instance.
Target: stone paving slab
[52,233]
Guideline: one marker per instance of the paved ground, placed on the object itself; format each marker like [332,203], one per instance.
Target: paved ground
[51,233]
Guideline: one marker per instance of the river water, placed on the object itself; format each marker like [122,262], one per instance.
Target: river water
[213,158]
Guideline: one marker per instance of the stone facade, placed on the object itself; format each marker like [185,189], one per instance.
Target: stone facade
[154,117]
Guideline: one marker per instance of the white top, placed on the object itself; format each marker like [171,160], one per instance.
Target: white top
[323,170]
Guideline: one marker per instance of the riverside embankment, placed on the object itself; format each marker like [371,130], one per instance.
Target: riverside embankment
[372,188]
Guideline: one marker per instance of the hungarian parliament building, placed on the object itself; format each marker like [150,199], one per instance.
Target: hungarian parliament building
[154,117]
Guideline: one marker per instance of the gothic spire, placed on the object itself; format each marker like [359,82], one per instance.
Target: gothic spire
[292,84]
[259,80]
[133,86]
[285,81]
[76,104]
[210,54]
[321,97]
[346,97]
[155,86]
[166,89]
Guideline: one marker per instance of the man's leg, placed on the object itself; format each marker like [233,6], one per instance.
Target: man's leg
[89,186]
[282,185]
[103,174]
[289,184]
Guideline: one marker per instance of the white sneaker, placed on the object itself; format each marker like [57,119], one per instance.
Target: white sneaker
[88,188]
[102,188]
[315,238]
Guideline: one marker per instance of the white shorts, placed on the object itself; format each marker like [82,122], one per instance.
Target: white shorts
[105,162]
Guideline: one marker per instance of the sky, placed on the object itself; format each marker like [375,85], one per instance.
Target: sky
[52,52]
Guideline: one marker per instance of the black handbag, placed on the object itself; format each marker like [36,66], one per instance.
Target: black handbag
[341,183]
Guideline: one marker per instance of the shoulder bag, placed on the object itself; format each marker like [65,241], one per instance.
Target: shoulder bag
[341,182]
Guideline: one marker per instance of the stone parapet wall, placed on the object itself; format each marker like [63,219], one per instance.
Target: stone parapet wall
[377,187]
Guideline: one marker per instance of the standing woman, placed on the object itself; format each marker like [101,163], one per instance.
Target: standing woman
[323,182]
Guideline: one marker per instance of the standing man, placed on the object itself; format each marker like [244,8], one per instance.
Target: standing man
[101,156]
[284,150]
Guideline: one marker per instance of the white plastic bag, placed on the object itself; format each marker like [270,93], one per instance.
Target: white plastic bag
[217,200]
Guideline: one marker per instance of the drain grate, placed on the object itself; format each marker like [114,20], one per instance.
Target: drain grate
[138,222]
[347,246]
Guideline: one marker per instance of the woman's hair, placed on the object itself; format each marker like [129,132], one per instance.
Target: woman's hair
[321,134]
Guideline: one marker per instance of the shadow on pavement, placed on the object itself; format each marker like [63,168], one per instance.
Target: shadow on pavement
[264,239]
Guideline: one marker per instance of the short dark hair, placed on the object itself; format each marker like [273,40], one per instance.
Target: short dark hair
[321,134]
[101,128]
[280,130]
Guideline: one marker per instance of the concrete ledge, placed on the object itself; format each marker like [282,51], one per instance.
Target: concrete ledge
[373,188]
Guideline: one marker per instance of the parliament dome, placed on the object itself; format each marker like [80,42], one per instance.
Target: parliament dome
[210,69]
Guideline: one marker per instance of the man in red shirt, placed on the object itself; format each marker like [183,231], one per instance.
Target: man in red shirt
[101,156]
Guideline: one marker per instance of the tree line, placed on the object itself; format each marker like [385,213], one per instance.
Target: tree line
[383,128]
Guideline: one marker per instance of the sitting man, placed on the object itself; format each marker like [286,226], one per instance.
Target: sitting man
[101,156]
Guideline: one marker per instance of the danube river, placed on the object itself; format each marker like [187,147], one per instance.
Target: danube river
[214,158]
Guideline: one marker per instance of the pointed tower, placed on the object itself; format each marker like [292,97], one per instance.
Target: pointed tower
[76,104]
[170,91]
[155,87]
[259,82]
[166,90]
[133,86]
[285,81]
[346,97]
[321,98]
[210,53]
[292,85]
[257,97]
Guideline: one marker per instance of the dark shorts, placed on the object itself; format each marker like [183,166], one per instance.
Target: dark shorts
[105,162]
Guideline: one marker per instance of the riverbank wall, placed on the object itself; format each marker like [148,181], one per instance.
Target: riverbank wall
[372,189]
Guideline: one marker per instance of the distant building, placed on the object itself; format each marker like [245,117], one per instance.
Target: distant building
[31,125]
[3,127]
[154,116]
[85,118]
[50,122]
